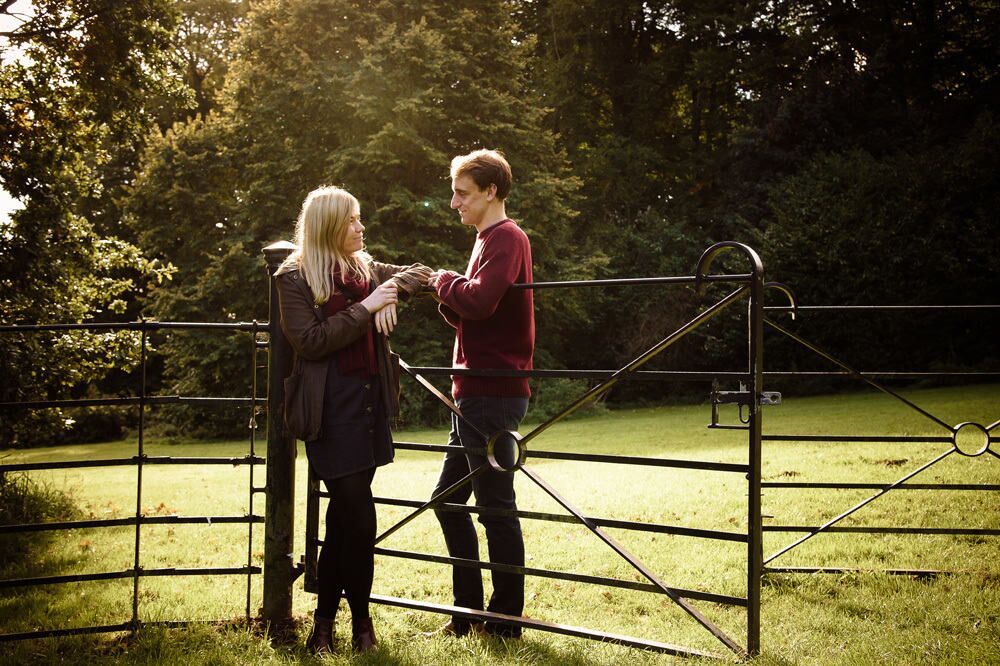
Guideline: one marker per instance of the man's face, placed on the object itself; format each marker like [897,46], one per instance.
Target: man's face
[470,201]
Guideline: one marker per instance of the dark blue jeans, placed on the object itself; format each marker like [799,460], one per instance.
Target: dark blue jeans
[492,489]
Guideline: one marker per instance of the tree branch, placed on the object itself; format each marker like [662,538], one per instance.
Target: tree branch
[41,32]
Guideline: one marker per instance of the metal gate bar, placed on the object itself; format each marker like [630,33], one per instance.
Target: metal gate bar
[127,573]
[595,457]
[875,486]
[122,522]
[529,623]
[724,599]
[561,518]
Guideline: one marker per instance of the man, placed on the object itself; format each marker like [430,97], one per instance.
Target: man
[494,329]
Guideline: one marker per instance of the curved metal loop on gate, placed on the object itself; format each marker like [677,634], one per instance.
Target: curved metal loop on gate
[784,289]
[709,255]
[979,432]
[511,439]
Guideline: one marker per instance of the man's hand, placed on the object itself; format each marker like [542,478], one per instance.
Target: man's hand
[432,283]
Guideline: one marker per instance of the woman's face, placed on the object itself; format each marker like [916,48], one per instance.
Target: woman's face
[354,239]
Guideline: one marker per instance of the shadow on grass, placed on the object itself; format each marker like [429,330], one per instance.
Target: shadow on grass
[24,500]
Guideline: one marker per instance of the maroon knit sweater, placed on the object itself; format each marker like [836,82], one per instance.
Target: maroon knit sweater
[494,324]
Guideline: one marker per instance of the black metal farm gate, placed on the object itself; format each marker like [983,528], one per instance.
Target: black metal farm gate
[510,451]
[140,461]
[966,439]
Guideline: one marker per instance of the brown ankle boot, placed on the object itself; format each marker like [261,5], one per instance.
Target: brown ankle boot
[364,635]
[321,639]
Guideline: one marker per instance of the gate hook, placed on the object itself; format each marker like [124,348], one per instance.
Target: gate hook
[783,288]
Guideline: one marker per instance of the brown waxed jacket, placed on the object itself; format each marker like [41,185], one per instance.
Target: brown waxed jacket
[315,336]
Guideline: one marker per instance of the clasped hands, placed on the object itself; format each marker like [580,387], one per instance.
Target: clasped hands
[381,303]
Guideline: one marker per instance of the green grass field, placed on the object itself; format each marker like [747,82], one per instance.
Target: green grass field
[866,617]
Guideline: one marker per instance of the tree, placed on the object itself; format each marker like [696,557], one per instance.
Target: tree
[869,169]
[71,99]
[646,98]
[198,59]
[376,97]
[921,232]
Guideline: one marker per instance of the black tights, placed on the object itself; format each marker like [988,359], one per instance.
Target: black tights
[347,559]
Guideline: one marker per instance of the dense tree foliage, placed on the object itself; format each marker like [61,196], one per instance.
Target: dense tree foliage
[71,110]
[853,144]
[376,97]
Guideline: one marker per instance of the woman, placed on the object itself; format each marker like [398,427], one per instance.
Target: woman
[337,307]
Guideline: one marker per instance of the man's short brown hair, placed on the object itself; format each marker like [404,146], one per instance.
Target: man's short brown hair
[485,167]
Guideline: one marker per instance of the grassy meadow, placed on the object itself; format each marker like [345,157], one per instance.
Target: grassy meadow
[865,617]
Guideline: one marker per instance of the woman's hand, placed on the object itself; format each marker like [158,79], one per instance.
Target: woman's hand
[383,295]
[385,319]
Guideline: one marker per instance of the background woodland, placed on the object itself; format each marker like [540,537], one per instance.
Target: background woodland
[158,146]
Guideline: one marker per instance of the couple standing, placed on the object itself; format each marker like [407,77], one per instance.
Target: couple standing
[337,308]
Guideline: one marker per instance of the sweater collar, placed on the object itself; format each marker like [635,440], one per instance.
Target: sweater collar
[487,232]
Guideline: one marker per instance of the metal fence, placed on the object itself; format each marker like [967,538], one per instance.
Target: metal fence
[966,439]
[140,461]
[510,451]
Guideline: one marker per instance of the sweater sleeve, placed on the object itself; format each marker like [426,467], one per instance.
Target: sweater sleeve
[478,296]
[410,279]
[449,315]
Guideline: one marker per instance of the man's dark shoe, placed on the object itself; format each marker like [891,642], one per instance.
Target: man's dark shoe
[451,628]
[364,635]
[508,632]
[322,636]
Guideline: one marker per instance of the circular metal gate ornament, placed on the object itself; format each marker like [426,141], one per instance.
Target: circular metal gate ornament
[505,451]
[971,439]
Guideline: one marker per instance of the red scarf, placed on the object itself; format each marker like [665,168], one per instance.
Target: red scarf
[358,358]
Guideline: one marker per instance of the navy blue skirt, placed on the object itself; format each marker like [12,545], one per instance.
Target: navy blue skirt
[355,435]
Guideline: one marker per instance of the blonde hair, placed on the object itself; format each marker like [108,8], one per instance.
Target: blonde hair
[320,232]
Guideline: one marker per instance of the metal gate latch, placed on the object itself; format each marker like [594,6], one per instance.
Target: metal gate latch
[742,397]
